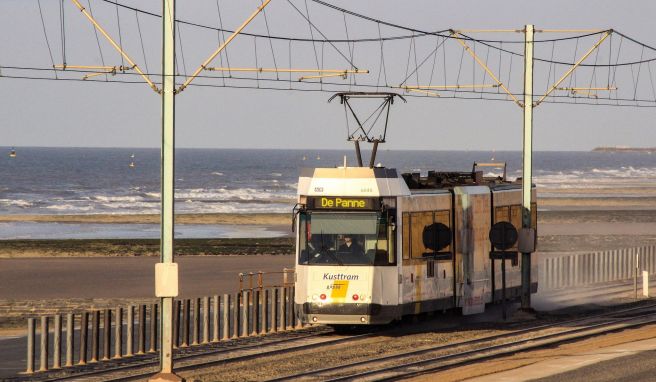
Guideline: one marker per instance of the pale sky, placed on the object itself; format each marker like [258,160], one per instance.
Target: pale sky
[61,113]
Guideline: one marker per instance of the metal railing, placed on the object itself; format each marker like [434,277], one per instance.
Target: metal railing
[556,272]
[123,330]
[252,281]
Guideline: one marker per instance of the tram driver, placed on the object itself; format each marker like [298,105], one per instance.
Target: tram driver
[350,246]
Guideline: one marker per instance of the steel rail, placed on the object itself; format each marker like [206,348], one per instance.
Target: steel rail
[458,344]
[498,350]
[188,354]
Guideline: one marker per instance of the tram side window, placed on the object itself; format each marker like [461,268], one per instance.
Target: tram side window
[302,240]
[513,214]
[501,214]
[413,243]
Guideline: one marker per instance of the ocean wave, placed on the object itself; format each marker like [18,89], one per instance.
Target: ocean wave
[16,203]
[224,194]
[217,173]
[131,205]
[70,208]
[232,208]
[110,199]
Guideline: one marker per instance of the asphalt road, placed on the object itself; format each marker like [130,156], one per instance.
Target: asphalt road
[121,277]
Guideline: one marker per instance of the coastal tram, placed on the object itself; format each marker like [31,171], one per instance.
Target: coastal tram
[374,245]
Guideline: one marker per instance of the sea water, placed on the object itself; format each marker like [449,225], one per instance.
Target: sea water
[49,181]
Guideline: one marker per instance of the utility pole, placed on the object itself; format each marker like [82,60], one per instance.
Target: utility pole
[166,272]
[527,167]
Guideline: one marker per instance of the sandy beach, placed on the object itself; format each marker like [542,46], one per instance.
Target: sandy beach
[565,224]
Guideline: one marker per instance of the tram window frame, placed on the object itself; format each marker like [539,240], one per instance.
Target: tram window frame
[385,240]
[406,222]
[412,222]
[513,214]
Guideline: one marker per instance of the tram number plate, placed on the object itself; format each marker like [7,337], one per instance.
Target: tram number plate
[338,288]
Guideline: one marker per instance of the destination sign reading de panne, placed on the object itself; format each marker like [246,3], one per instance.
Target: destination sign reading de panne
[342,203]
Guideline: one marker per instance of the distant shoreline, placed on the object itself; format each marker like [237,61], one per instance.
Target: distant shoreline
[621,149]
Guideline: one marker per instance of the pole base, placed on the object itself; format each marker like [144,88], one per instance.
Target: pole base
[166,377]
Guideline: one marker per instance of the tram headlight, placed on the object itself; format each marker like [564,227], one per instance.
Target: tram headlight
[323,296]
[314,297]
[355,297]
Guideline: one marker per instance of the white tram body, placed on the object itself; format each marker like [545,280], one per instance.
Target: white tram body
[392,273]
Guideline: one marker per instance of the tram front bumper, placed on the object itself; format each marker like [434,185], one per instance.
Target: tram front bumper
[341,313]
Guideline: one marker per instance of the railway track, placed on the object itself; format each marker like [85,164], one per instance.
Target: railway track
[437,358]
[315,337]
[237,350]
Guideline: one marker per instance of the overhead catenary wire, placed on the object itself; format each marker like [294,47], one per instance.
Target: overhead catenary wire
[418,33]
[396,37]
[285,38]
[463,94]
[591,77]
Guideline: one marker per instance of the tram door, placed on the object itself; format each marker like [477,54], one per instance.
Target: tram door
[472,211]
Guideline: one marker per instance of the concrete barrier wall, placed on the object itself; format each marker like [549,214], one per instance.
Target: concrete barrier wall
[557,272]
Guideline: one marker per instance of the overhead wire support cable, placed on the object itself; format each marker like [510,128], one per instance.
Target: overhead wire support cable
[120,35]
[273,53]
[222,46]
[45,35]
[95,32]
[478,60]
[382,65]
[179,34]
[314,48]
[424,60]
[321,33]
[143,49]
[62,29]
[221,33]
[113,43]
[569,72]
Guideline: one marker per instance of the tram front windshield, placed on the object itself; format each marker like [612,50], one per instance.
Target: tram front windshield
[332,238]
